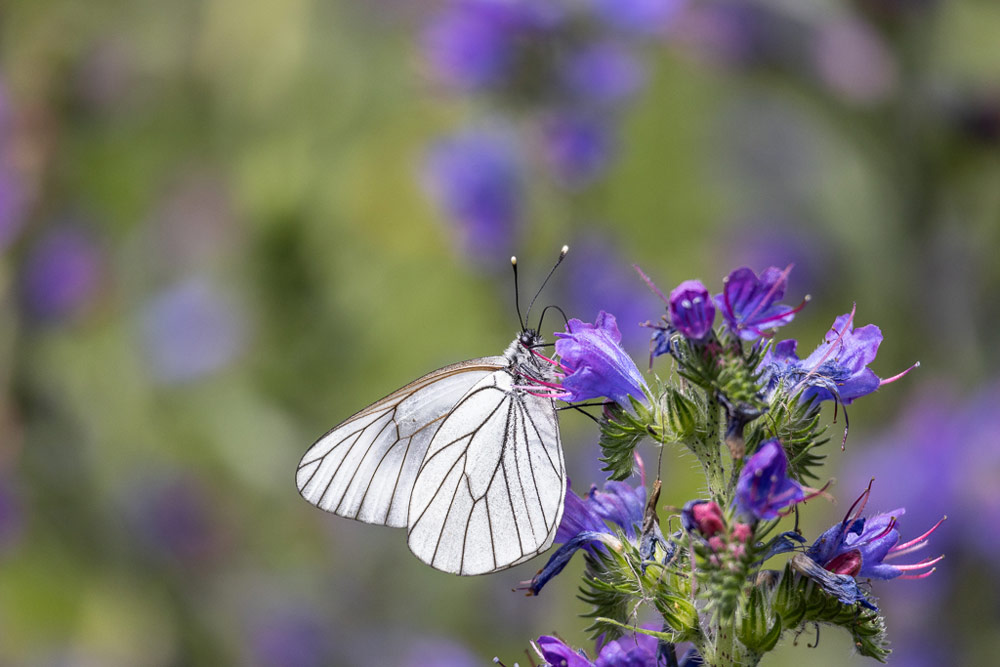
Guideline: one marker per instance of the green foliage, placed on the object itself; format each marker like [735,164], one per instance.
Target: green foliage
[615,583]
[621,431]
[799,601]
[797,426]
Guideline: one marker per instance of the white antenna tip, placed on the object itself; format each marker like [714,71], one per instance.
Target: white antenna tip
[513,260]
[565,249]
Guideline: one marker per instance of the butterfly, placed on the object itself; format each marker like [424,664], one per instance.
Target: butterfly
[467,458]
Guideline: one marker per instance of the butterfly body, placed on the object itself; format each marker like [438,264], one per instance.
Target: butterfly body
[468,458]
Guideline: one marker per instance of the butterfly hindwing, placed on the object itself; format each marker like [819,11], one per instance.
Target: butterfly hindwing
[365,468]
[489,492]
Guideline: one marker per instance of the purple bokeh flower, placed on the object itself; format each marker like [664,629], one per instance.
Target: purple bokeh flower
[475,176]
[638,650]
[61,274]
[595,364]
[692,312]
[603,74]
[586,525]
[11,514]
[750,305]
[764,487]
[12,197]
[639,16]
[577,147]
[859,546]
[599,275]
[173,519]
[291,637]
[474,44]
[11,205]
[191,330]
[439,652]
[836,370]
[853,61]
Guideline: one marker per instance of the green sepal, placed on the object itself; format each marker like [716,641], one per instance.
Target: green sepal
[798,600]
[797,426]
[759,629]
[616,581]
[621,431]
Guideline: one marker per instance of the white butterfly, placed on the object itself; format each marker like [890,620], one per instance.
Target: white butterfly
[467,458]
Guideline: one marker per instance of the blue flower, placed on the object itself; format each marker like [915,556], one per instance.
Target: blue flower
[62,274]
[191,330]
[595,364]
[750,305]
[475,44]
[475,176]
[860,546]
[602,74]
[692,312]
[836,370]
[586,525]
[638,650]
[641,16]
[577,147]
[764,488]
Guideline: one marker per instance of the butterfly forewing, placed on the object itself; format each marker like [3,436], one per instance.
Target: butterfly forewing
[489,492]
[365,468]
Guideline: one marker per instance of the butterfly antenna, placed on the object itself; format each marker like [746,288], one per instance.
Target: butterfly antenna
[517,296]
[562,256]
[545,310]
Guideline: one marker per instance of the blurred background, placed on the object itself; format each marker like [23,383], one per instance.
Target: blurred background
[226,226]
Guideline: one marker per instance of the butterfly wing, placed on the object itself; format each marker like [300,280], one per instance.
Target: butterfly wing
[365,468]
[489,493]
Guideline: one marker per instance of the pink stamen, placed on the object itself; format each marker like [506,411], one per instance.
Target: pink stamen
[919,576]
[919,566]
[649,283]
[793,311]
[900,547]
[835,342]
[770,292]
[899,375]
[888,529]
[863,499]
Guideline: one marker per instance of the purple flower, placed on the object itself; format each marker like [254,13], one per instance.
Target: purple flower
[638,650]
[859,546]
[585,525]
[641,16]
[474,44]
[602,74]
[764,487]
[11,205]
[595,364]
[854,62]
[291,637]
[11,514]
[475,176]
[577,147]
[692,312]
[173,519]
[191,330]
[836,370]
[61,274]
[750,303]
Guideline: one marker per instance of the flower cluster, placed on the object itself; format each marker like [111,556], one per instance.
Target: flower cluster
[707,580]
[564,71]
